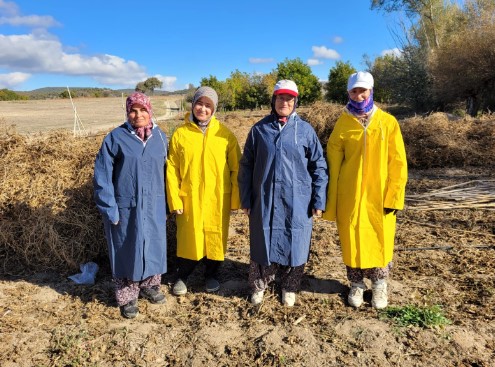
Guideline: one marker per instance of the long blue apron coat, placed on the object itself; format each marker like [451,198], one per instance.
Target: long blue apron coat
[282,177]
[129,188]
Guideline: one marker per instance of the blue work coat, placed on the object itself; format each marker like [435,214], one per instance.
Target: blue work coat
[129,189]
[282,178]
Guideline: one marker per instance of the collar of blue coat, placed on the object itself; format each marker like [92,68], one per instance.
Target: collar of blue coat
[290,119]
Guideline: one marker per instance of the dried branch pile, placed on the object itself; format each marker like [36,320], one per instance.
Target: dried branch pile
[439,141]
[48,217]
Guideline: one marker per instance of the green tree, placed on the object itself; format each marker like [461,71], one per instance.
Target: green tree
[336,88]
[307,83]
[65,94]
[8,95]
[255,94]
[404,79]
[269,80]
[140,87]
[152,83]
[236,85]
[385,73]
[211,82]
[464,70]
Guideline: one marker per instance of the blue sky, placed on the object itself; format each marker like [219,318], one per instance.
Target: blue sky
[116,44]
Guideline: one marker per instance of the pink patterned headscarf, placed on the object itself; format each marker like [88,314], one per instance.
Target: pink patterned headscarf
[139,98]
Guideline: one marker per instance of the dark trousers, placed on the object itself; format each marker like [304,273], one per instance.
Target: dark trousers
[186,266]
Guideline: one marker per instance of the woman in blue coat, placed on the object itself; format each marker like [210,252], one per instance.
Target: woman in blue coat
[129,189]
[282,182]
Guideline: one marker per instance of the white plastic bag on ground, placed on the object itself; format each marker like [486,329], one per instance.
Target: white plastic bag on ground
[88,274]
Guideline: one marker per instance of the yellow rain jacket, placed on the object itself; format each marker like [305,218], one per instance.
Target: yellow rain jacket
[368,172]
[202,180]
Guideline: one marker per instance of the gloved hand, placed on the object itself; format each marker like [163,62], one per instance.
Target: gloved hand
[390,210]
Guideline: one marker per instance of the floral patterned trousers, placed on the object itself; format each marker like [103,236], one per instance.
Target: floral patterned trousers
[356,275]
[127,290]
[260,276]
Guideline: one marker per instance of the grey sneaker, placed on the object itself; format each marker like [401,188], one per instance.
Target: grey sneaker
[130,310]
[212,285]
[379,299]
[355,297]
[179,288]
[152,294]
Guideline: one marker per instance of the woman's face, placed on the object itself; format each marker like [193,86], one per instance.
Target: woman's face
[359,94]
[284,104]
[203,109]
[139,116]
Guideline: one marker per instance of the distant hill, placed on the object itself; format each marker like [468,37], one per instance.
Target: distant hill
[61,92]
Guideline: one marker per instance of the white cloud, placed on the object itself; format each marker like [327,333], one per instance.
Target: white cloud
[393,52]
[8,8]
[42,52]
[338,39]
[168,82]
[313,62]
[321,52]
[259,60]
[13,79]
[33,21]
[11,15]
[34,54]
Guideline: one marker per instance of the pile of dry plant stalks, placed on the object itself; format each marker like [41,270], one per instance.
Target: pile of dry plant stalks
[48,219]
[322,116]
[440,141]
[479,194]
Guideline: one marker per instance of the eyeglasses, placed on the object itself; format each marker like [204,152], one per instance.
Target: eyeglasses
[285,98]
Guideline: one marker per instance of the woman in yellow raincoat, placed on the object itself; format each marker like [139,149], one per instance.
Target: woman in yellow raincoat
[202,188]
[368,175]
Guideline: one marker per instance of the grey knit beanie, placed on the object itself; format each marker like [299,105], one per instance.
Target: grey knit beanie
[208,93]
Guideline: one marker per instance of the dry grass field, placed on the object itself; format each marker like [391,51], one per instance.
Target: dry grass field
[95,114]
[444,257]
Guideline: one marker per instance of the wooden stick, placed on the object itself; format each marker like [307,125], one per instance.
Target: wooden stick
[299,319]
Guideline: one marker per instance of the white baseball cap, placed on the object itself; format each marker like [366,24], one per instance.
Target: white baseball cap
[287,87]
[361,79]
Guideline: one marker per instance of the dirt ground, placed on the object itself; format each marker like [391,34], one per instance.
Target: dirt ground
[443,257]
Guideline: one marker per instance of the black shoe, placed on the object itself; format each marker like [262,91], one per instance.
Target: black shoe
[130,310]
[153,295]
[212,285]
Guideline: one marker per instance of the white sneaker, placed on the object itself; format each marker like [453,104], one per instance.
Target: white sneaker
[288,298]
[379,299]
[355,297]
[257,297]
